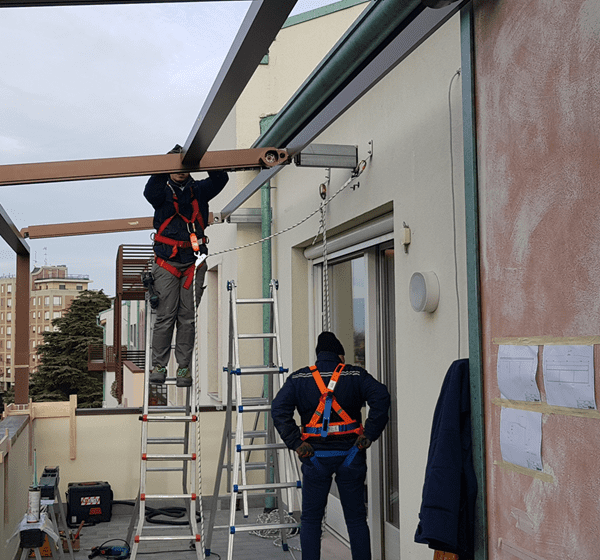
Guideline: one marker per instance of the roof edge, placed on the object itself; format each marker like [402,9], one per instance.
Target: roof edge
[322,11]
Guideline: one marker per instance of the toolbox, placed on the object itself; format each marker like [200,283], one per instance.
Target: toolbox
[90,502]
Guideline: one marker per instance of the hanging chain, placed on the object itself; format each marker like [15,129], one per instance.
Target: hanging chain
[199,262]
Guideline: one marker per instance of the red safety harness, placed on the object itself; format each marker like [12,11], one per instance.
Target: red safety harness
[178,244]
[319,425]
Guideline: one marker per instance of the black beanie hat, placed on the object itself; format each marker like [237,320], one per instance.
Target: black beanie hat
[327,342]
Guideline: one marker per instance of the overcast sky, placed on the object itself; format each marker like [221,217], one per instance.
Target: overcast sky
[95,82]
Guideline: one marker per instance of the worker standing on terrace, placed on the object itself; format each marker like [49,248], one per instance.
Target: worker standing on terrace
[332,440]
[180,217]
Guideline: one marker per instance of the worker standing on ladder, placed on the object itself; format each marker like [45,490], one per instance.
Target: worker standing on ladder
[180,217]
[332,440]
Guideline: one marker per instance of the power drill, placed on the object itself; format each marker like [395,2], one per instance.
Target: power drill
[148,282]
[115,552]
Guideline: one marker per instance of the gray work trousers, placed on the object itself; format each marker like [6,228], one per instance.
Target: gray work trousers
[175,307]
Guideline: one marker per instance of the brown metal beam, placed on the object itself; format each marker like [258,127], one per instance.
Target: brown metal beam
[87,228]
[79,170]
[21,365]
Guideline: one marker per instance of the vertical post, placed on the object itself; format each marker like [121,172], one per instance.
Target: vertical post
[21,365]
[473,279]
[117,351]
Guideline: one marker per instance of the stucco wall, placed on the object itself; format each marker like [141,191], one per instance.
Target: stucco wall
[538,114]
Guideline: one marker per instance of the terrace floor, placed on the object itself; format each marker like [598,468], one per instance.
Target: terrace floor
[246,546]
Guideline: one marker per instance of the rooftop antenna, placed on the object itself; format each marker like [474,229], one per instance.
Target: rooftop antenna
[45,256]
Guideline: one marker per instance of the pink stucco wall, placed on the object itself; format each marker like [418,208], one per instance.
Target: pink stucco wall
[538,126]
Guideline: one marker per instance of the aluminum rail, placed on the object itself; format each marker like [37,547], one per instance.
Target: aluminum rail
[59,171]
[413,34]
[258,30]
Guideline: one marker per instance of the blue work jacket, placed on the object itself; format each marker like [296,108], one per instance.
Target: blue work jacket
[160,195]
[355,387]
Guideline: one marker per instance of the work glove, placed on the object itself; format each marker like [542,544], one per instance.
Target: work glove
[305,450]
[362,442]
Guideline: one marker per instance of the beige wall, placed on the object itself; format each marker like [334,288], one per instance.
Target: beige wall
[16,474]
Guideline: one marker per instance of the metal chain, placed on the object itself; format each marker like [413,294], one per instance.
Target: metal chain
[197,411]
[355,173]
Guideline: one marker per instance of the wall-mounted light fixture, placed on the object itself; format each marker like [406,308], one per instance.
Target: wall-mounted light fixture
[424,291]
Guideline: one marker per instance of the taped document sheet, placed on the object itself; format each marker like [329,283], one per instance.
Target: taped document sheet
[521,438]
[516,373]
[569,376]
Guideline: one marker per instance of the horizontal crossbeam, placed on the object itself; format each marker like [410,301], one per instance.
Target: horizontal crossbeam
[109,168]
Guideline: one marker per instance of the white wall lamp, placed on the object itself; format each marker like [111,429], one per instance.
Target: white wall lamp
[424,291]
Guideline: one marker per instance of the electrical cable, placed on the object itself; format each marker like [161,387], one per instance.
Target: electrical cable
[457,74]
[355,173]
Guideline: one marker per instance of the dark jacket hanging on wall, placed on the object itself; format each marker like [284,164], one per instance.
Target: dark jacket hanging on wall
[447,516]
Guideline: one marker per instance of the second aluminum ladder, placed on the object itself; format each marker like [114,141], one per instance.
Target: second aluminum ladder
[281,486]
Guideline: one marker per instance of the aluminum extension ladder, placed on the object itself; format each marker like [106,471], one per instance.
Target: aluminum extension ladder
[282,476]
[186,460]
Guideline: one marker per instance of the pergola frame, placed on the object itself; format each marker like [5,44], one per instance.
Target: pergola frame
[263,21]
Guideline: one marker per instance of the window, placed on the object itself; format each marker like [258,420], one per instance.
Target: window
[39,314]
[46,328]
[46,315]
[8,347]
[56,314]
[32,302]
[79,287]
[62,287]
[9,302]
[8,331]
[39,301]
[1,315]
[8,317]
[33,330]
[33,314]
[2,288]
[46,301]
[9,288]
[39,330]
[1,330]
[57,300]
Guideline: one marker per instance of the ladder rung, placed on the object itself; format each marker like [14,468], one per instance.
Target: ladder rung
[164,469]
[166,538]
[264,526]
[254,400]
[167,409]
[256,370]
[255,434]
[168,496]
[171,418]
[254,300]
[261,446]
[257,335]
[254,407]
[161,457]
[164,440]
[249,466]
[266,486]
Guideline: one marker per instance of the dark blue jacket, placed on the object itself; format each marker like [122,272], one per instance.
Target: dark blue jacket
[160,195]
[447,517]
[354,388]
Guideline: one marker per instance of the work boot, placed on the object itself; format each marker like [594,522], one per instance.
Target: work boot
[184,377]
[158,375]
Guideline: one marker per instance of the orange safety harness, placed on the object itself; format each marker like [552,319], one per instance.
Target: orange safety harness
[178,244]
[319,425]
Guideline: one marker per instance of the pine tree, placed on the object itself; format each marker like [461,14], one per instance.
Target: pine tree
[63,368]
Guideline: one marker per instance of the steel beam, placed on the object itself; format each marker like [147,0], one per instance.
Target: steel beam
[10,234]
[258,30]
[57,171]
[413,35]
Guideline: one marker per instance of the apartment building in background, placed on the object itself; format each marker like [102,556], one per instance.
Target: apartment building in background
[52,290]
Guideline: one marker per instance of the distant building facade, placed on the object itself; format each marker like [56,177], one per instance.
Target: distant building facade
[52,290]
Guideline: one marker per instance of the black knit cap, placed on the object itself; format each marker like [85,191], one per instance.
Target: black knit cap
[328,342]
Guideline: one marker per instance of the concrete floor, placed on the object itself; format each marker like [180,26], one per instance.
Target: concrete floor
[246,545]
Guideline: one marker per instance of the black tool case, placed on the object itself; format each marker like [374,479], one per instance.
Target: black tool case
[90,502]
